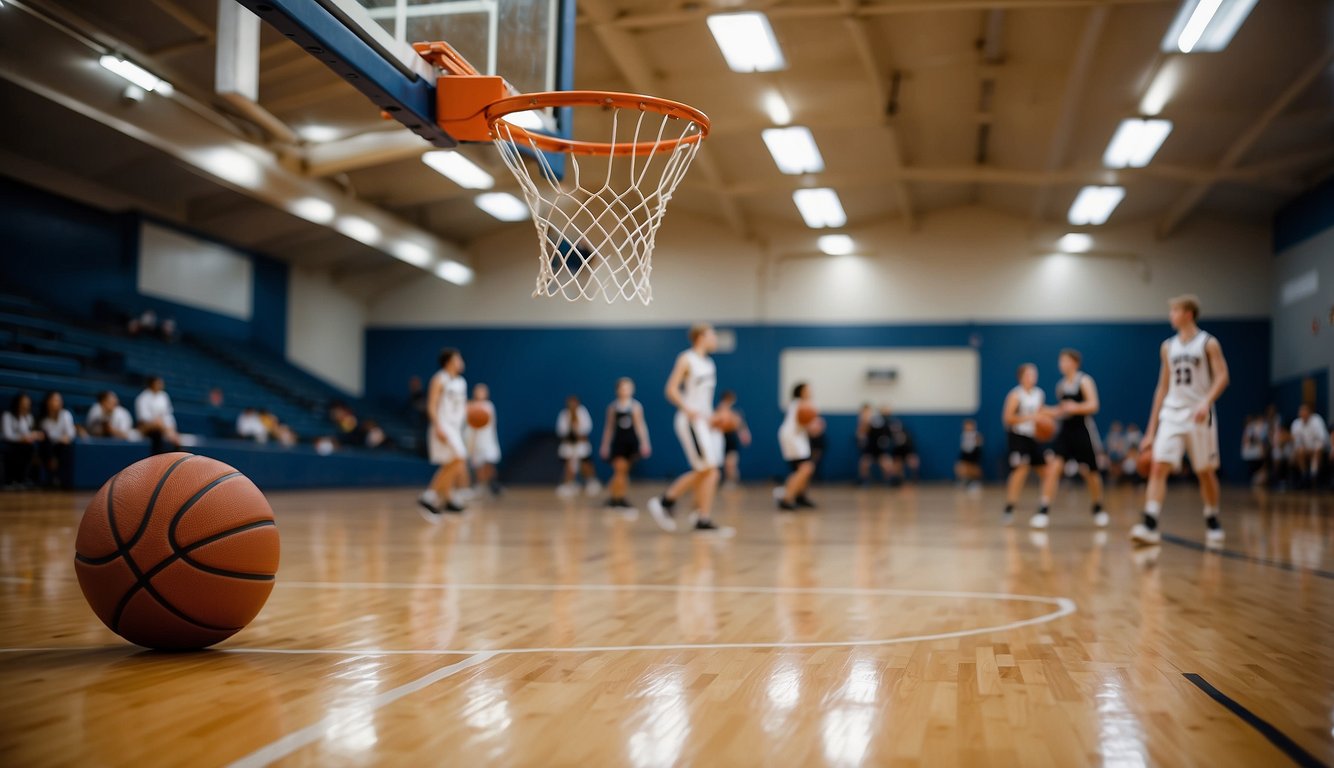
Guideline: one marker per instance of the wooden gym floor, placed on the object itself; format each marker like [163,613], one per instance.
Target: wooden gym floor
[890,628]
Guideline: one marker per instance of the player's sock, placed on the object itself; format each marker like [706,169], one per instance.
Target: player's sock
[1211,518]
[1044,508]
[1151,511]
[1009,509]
[667,502]
[1097,507]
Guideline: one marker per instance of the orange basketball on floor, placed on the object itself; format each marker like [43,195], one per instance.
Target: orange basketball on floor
[806,413]
[725,421]
[478,415]
[1144,464]
[177,552]
[1044,429]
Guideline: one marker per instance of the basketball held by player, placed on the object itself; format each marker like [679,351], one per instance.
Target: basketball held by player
[574,426]
[1076,437]
[446,403]
[794,441]
[482,438]
[736,435]
[624,441]
[690,387]
[1182,421]
[1023,407]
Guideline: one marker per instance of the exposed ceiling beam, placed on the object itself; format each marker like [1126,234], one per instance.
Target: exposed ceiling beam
[1243,143]
[673,18]
[185,18]
[1075,81]
[362,151]
[866,52]
[621,47]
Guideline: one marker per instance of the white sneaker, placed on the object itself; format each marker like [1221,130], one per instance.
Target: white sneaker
[1039,521]
[593,488]
[566,490]
[1213,538]
[661,515]
[779,493]
[1102,519]
[1143,537]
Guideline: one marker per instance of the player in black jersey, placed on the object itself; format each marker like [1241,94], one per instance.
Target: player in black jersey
[1076,437]
[873,439]
[624,441]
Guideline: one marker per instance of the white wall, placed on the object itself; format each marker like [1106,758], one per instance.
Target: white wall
[194,272]
[326,330]
[1296,350]
[963,264]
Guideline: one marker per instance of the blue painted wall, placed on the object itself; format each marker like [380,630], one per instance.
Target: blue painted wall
[1305,217]
[530,370]
[72,256]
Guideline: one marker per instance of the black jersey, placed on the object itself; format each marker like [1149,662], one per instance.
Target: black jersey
[624,437]
[877,435]
[1073,391]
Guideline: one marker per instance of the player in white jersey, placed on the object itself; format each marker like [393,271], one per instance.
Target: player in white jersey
[690,388]
[484,443]
[1192,376]
[1023,405]
[794,442]
[446,404]
[1310,440]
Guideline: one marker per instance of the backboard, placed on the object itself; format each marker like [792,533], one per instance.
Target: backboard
[530,43]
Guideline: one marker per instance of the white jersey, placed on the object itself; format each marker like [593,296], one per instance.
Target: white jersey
[451,411]
[1310,435]
[1189,376]
[700,379]
[1030,403]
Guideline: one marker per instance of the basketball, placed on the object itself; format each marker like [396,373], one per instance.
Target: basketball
[1144,464]
[478,415]
[725,421]
[177,552]
[806,413]
[1044,429]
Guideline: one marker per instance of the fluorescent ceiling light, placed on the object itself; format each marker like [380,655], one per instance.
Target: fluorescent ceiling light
[777,108]
[359,229]
[794,149]
[836,245]
[820,207]
[135,74]
[503,206]
[314,210]
[318,133]
[453,272]
[413,253]
[232,165]
[747,41]
[1075,242]
[1163,87]
[458,169]
[1206,25]
[1094,204]
[1135,143]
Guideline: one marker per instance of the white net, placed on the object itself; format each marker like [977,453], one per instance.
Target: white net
[597,227]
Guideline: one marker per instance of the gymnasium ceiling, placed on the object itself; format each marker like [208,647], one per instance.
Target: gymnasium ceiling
[917,106]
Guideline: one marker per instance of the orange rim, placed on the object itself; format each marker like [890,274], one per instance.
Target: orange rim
[496,112]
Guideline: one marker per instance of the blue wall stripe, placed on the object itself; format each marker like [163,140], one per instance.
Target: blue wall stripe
[1305,217]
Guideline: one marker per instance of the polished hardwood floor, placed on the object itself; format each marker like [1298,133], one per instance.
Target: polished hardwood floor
[891,627]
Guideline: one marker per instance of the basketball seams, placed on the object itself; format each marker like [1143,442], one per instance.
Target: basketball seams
[183,552]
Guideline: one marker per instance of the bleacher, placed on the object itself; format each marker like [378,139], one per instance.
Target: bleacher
[42,351]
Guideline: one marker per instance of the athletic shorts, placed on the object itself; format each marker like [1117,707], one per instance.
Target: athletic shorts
[447,451]
[485,448]
[1024,450]
[903,451]
[1179,436]
[1074,443]
[625,449]
[731,442]
[580,449]
[702,444]
[795,464]
[795,445]
[971,457]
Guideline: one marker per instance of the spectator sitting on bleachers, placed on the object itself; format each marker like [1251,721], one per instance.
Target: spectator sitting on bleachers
[58,426]
[285,436]
[417,399]
[349,429]
[1310,437]
[215,398]
[250,426]
[21,441]
[375,436]
[156,419]
[108,418]
[146,322]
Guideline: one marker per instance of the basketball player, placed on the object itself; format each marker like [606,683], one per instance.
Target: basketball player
[733,439]
[445,403]
[690,388]
[794,442]
[1023,405]
[624,441]
[873,434]
[968,467]
[1076,438]
[483,443]
[1192,376]
[573,426]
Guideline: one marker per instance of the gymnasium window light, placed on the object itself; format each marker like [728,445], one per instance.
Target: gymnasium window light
[314,210]
[503,206]
[1206,25]
[458,169]
[359,229]
[836,245]
[794,149]
[454,272]
[776,106]
[820,207]
[747,41]
[1093,205]
[1135,143]
[135,74]
[1075,242]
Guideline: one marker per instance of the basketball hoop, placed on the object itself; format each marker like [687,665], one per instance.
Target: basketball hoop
[597,228]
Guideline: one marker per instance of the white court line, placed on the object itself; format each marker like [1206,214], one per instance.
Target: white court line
[316,731]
